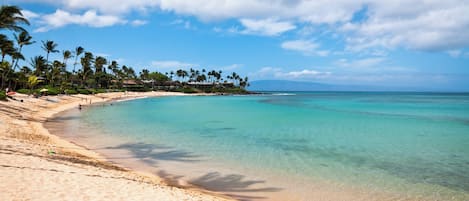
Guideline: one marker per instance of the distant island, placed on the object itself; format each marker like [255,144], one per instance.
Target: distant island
[289,86]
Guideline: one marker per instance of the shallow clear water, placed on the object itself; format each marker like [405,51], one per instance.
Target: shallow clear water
[415,143]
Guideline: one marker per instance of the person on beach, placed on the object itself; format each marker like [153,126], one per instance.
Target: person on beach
[79,106]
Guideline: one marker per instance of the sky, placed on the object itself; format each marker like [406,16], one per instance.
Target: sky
[411,44]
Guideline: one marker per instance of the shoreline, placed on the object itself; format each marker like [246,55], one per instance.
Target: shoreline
[322,189]
[27,148]
[26,126]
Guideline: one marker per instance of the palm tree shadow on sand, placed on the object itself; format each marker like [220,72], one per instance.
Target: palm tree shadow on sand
[150,154]
[233,185]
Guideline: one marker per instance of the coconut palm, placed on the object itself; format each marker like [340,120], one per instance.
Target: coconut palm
[67,54]
[6,47]
[39,65]
[50,47]
[56,69]
[78,51]
[99,63]
[171,74]
[11,17]
[23,39]
[86,63]
[5,68]
[145,74]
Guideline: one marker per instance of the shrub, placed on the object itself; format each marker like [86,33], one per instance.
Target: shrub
[83,91]
[101,91]
[3,96]
[92,91]
[23,91]
[52,91]
[186,90]
[70,91]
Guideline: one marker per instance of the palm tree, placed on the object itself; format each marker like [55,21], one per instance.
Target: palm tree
[67,54]
[6,46]
[145,74]
[15,56]
[86,65]
[23,39]
[57,68]
[184,74]
[4,70]
[171,74]
[50,47]
[78,51]
[129,72]
[39,64]
[11,17]
[99,63]
[218,75]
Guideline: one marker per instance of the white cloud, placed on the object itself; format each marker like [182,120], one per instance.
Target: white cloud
[428,25]
[306,74]
[304,46]
[277,72]
[185,23]
[454,53]
[137,23]
[90,18]
[29,14]
[360,63]
[266,27]
[231,67]
[173,65]
[103,6]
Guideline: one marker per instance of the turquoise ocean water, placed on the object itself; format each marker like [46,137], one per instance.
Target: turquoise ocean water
[412,144]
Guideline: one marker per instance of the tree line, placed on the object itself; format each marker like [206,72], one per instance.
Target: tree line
[88,71]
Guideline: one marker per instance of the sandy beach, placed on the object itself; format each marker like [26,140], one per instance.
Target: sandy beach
[35,165]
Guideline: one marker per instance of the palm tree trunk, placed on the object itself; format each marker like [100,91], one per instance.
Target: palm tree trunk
[47,57]
[75,64]
[17,60]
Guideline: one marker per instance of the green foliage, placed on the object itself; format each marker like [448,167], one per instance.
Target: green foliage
[158,77]
[234,90]
[100,91]
[84,91]
[3,96]
[97,91]
[187,90]
[138,88]
[92,91]
[70,91]
[53,91]
[23,91]
[32,81]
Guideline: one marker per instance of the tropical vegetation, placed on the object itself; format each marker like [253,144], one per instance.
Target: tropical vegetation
[90,73]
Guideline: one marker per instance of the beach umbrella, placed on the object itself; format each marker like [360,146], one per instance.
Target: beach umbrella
[43,90]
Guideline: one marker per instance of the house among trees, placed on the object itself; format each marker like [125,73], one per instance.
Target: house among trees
[209,85]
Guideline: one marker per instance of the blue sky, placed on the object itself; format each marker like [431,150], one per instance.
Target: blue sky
[407,45]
